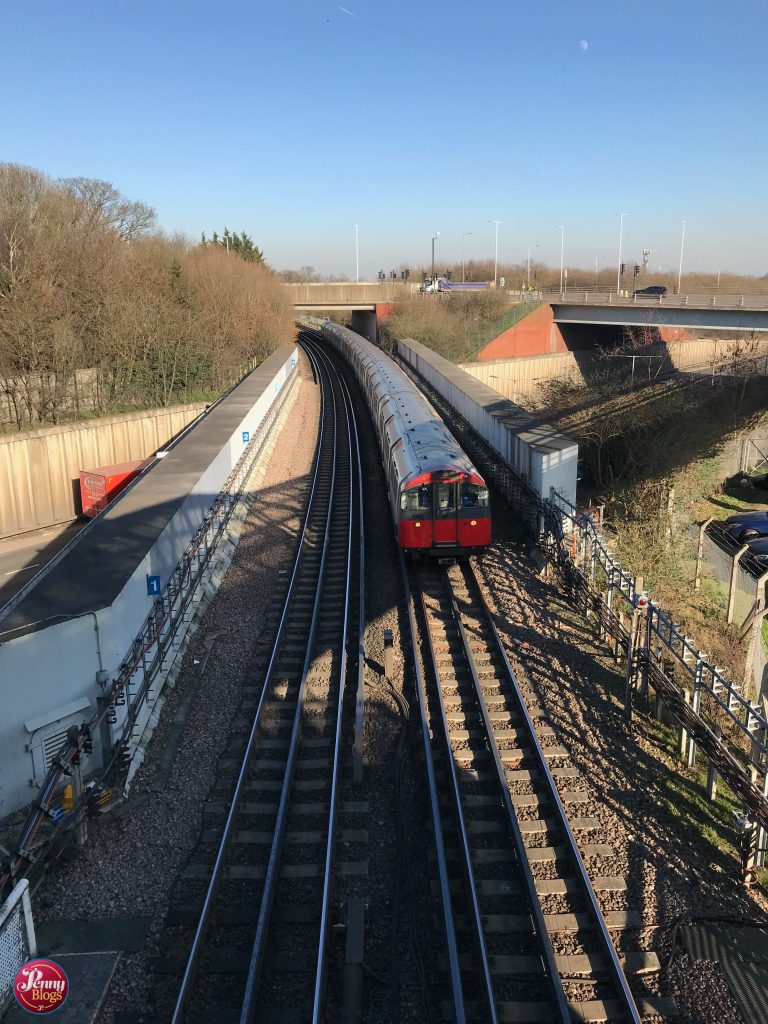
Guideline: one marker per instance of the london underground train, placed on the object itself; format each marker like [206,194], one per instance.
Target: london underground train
[439,501]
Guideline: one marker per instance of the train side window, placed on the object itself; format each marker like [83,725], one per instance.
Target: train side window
[474,496]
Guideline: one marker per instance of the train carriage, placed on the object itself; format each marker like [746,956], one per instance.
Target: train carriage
[438,499]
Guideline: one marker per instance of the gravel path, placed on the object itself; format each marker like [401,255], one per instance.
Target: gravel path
[130,862]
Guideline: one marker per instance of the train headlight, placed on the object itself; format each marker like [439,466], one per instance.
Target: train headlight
[417,524]
[473,522]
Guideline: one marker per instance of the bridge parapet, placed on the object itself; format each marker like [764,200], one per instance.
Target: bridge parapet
[349,293]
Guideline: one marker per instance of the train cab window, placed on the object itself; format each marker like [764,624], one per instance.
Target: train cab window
[416,499]
[446,501]
[474,496]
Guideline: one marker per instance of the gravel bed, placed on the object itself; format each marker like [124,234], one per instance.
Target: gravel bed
[131,862]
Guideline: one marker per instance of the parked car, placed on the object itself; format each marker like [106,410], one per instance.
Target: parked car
[747,525]
[759,550]
[652,289]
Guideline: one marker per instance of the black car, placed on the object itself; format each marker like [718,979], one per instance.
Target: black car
[652,289]
[747,525]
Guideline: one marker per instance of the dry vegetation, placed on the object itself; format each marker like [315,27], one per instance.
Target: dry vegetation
[451,324]
[99,311]
[655,455]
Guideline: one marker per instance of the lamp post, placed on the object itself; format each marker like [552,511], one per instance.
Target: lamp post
[596,261]
[357,257]
[528,267]
[496,253]
[434,237]
[462,253]
[680,268]
[618,269]
[562,251]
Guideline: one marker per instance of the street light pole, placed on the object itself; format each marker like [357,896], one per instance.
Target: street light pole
[496,254]
[528,268]
[680,269]
[436,235]
[357,257]
[462,253]
[618,269]
[562,251]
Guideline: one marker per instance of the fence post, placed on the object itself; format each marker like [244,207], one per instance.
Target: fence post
[712,771]
[682,744]
[695,704]
[634,645]
[734,576]
[700,552]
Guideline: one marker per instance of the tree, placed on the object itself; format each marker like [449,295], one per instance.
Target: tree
[104,206]
[242,244]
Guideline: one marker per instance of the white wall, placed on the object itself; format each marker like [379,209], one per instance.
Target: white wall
[52,668]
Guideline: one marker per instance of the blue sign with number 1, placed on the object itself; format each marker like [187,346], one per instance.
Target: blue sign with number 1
[153,585]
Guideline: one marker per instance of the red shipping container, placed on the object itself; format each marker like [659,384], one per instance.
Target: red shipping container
[100,486]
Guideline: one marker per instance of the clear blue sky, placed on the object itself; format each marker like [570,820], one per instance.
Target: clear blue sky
[294,119]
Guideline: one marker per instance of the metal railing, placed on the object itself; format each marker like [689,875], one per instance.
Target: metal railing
[17,938]
[625,297]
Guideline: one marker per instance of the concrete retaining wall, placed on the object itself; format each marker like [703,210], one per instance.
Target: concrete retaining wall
[545,458]
[521,378]
[39,469]
[49,675]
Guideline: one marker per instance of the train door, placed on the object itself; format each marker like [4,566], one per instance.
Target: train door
[446,513]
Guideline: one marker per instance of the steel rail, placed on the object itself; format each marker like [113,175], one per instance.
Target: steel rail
[614,963]
[354,461]
[198,941]
[437,828]
[542,934]
[463,833]
[273,866]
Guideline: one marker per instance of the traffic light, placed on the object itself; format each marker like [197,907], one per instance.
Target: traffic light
[381,275]
[407,273]
[637,269]
[622,268]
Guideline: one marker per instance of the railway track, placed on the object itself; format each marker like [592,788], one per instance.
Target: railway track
[525,935]
[262,881]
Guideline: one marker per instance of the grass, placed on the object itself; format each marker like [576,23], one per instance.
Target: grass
[683,795]
[496,327]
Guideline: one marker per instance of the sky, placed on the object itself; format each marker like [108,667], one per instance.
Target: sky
[295,119]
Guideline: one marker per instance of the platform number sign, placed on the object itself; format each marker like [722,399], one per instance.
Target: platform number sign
[153,586]
[293,361]
[246,436]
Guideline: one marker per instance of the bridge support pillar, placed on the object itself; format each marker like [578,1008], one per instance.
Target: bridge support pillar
[364,322]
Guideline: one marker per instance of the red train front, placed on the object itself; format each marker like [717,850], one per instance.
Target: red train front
[444,511]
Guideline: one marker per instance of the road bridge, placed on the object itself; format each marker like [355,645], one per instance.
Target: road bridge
[710,312]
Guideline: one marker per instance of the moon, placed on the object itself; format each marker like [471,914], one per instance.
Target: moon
[584,45]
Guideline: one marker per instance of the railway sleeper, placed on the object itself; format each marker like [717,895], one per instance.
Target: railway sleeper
[569,965]
[582,1011]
